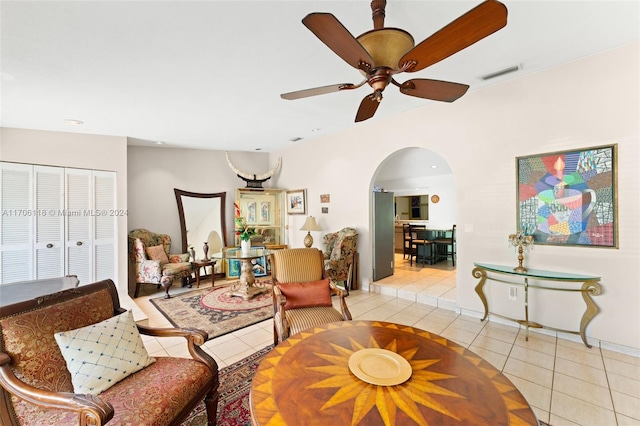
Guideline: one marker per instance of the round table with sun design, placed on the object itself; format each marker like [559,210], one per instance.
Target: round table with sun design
[355,373]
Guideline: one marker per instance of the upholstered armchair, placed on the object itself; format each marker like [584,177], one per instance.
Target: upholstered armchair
[77,358]
[302,293]
[340,256]
[149,252]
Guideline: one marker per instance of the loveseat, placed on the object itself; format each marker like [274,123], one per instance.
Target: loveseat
[43,355]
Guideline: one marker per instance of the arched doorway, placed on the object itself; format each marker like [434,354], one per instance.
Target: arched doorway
[424,177]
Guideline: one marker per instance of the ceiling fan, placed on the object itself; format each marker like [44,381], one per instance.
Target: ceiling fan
[382,53]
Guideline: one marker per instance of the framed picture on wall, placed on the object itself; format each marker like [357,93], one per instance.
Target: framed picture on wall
[296,201]
[568,198]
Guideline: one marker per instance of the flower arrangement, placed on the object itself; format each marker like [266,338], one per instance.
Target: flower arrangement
[244,231]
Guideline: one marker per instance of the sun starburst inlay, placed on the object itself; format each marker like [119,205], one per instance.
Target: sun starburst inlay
[386,399]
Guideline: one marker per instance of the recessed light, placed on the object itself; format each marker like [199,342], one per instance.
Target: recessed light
[73,122]
[316,129]
[159,143]
[433,166]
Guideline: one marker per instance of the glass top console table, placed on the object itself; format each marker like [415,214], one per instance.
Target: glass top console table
[590,287]
[246,287]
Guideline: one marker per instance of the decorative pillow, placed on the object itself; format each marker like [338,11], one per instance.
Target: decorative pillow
[179,258]
[158,253]
[305,295]
[100,355]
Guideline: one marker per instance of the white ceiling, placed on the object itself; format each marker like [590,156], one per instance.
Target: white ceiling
[208,74]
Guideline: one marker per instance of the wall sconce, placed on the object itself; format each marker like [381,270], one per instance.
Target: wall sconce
[309,225]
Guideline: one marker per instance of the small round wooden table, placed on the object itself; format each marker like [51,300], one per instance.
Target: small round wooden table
[306,380]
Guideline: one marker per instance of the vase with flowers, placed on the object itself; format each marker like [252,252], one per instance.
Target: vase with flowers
[244,231]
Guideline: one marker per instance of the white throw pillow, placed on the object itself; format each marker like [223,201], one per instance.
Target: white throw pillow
[100,355]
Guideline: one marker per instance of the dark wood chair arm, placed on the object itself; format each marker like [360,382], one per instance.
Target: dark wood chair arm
[91,409]
[195,339]
[346,315]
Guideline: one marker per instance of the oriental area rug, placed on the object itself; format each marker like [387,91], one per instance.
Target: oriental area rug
[214,311]
[235,384]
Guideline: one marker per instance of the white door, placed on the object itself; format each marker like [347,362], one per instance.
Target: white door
[16,222]
[105,219]
[49,222]
[79,224]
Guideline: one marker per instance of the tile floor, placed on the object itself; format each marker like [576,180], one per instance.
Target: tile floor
[565,382]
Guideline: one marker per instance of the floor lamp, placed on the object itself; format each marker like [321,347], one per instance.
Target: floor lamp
[309,225]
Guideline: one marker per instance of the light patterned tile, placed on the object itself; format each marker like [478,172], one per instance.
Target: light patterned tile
[626,421]
[592,375]
[590,357]
[580,389]
[626,405]
[493,345]
[578,411]
[622,368]
[530,372]
[625,384]
[533,357]
[536,395]
[496,359]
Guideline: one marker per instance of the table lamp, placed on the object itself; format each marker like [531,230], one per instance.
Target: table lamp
[309,225]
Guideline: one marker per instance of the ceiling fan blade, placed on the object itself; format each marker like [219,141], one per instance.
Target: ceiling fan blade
[332,33]
[435,90]
[368,107]
[316,91]
[478,23]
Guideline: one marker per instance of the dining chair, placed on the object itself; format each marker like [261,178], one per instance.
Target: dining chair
[424,246]
[446,247]
[417,236]
[406,239]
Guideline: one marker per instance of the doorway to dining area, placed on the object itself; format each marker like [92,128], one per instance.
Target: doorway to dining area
[424,177]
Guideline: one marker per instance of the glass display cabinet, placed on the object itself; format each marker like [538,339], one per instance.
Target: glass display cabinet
[264,210]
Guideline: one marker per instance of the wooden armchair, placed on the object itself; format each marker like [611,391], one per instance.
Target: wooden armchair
[302,293]
[37,380]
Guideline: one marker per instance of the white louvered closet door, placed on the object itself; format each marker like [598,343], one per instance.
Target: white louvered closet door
[16,222]
[79,226]
[49,222]
[104,237]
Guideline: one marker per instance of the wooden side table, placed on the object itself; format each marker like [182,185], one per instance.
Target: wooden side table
[197,264]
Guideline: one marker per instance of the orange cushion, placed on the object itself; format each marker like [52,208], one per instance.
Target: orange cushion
[305,295]
[158,253]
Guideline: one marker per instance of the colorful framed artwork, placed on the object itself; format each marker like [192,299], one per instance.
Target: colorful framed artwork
[569,198]
[325,198]
[296,201]
[259,265]
[264,212]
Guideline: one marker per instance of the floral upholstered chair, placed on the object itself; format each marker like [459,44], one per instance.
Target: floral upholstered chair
[340,256]
[152,262]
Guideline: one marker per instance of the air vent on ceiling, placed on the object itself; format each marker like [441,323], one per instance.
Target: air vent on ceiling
[501,72]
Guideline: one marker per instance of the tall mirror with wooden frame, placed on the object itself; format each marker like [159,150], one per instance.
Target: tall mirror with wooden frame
[202,219]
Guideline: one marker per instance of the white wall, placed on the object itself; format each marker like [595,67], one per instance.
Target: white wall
[581,104]
[80,151]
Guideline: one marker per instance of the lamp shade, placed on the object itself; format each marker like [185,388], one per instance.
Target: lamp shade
[310,225]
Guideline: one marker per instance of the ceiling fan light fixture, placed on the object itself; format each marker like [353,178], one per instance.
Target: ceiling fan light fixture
[386,45]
